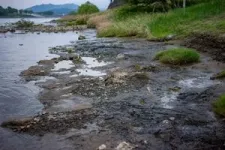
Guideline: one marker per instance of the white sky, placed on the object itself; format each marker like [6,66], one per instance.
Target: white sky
[21,4]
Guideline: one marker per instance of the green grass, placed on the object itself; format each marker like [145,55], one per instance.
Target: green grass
[219,106]
[134,26]
[182,22]
[220,75]
[178,56]
[200,18]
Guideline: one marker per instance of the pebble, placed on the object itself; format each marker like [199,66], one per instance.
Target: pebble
[172,118]
[124,146]
[102,147]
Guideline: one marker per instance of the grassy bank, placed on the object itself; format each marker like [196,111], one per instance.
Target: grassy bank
[205,17]
[120,22]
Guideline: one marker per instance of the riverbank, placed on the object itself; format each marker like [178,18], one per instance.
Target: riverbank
[126,21]
[111,92]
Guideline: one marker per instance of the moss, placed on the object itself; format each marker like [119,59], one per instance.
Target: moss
[220,75]
[175,89]
[137,67]
[69,50]
[141,76]
[178,56]
[219,106]
[77,60]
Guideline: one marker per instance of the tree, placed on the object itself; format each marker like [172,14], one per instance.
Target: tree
[87,8]
[2,11]
[11,10]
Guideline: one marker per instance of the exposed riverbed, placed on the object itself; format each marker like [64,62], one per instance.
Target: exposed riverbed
[111,93]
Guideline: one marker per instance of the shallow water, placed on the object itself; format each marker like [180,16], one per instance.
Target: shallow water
[18,98]
[3,21]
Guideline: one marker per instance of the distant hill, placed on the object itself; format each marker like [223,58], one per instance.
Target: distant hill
[56,9]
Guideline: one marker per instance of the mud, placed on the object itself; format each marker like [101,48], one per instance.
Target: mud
[208,43]
[133,102]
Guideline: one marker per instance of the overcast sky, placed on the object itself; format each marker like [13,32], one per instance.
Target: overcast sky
[21,4]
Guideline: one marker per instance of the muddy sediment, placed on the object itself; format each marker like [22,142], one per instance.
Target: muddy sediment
[117,93]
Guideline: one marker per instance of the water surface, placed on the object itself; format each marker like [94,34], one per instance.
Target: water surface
[3,21]
[18,98]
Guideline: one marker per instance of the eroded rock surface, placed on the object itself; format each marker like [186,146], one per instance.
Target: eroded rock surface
[137,103]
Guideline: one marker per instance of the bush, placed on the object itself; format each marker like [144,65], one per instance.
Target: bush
[178,56]
[88,8]
[24,24]
[219,106]
[220,75]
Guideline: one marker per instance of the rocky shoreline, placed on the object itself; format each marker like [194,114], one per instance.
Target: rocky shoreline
[26,27]
[112,94]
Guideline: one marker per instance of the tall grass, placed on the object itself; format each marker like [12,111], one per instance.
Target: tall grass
[204,17]
[178,21]
[135,26]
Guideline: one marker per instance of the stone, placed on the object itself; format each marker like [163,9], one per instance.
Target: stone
[81,37]
[120,56]
[124,146]
[102,147]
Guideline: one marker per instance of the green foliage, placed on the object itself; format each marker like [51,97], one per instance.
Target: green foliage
[70,50]
[73,13]
[219,106]
[9,11]
[129,21]
[220,75]
[24,24]
[87,8]
[180,22]
[46,13]
[178,56]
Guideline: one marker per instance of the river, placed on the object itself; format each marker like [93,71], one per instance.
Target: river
[18,98]
[3,21]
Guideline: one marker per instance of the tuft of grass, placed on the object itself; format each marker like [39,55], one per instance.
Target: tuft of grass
[178,56]
[70,50]
[219,106]
[220,75]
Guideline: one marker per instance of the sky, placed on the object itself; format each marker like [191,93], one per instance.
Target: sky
[21,4]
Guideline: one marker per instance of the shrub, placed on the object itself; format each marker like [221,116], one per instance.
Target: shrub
[178,56]
[220,75]
[219,106]
[87,8]
[24,24]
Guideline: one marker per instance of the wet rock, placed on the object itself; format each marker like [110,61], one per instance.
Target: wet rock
[102,147]
[16,122]
[120,56]
[34,71]
[81,37]
[116,78]
[46,62]
[124,146]
[220,75]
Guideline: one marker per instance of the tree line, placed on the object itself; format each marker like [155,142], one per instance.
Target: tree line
[9,11]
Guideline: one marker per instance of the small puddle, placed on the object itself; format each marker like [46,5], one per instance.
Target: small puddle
[197,82]
[65,64]
[90,72]
[87,68]
[93,62]
[62,72]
